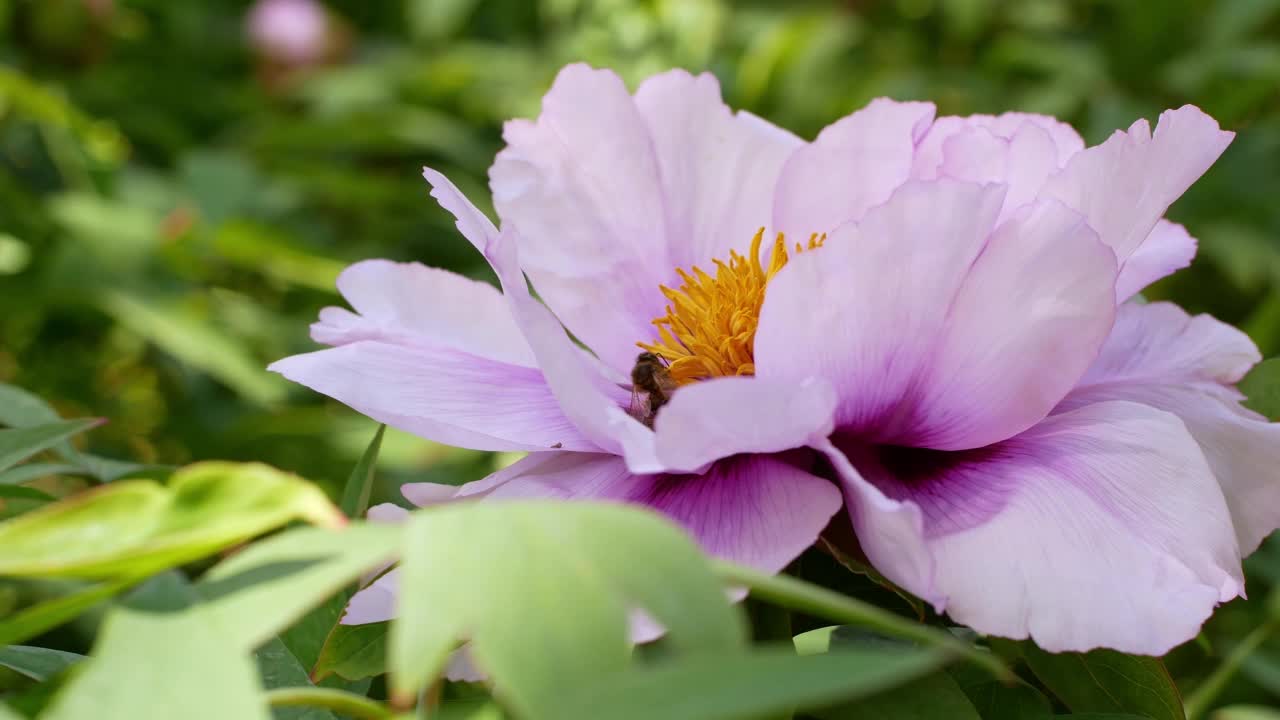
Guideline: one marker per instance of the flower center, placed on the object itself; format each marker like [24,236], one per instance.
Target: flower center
[709,328]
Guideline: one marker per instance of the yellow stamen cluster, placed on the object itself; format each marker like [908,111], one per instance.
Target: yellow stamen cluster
[710,326]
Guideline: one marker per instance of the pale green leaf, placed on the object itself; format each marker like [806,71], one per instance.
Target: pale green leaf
[577,568]
[137,527]
[1245,712]
[260,591]
[38,619]
[160,667]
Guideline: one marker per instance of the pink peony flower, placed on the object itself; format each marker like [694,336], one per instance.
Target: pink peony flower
[294,32]
[932,334]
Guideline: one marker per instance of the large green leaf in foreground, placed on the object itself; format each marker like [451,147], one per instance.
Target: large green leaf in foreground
[136,528]
[157,666]
[543,591]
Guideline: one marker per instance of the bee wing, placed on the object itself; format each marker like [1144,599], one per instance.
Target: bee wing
[639,404]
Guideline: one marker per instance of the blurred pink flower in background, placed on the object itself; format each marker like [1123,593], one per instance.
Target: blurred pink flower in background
[943,344]
[291,32]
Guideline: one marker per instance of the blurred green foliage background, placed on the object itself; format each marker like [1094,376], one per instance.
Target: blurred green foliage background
[175,205]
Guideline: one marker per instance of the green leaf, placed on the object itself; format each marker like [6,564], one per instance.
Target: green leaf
[820,602]
[317,703]
[578,568]
[1106,681]
[137,527]
[756,684]
[260,591]
[1001,701]
[38,619]
[20,443]
[931,697]
[354,652]
[1103,716]
[1262,387]
[280,669]
[935,696]
[19,408]
[7,714]
[355,496]
[35,471]
[25,493]
[37,663]
[159,667]
[1246,712]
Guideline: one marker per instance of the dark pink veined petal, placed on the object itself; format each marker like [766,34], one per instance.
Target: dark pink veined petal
[610,194]
[854,164]
[756,510]
[1056,534]
[1162,357]
[1167,249]
[1124,185]
[934,329]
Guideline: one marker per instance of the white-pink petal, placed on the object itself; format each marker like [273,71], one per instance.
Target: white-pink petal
[854,164]
[411,303]
[1125,185]
[1166,250]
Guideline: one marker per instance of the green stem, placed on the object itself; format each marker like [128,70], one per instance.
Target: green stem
[820,602]
[339,701]
[1203,696]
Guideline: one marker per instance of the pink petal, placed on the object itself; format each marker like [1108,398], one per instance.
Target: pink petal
[1124,185]
[375,603]
[716,418]
[1101,527]
[590,399]
[934,330]
[1167,249]
[1023,161]
[718,169]
[929,154]
[853,165]
[611,194]
[1160,356]
[445,395]
[409,303]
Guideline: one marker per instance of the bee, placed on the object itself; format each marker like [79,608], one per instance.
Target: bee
[651,387]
